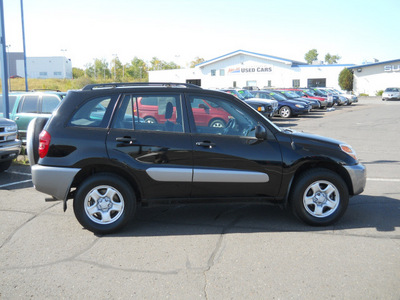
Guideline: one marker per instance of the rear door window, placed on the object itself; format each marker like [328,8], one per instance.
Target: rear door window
[49,103]
[30,104]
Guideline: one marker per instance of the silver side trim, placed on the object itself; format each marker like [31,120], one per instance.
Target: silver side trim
[171,174]
[206,175]
[54,181]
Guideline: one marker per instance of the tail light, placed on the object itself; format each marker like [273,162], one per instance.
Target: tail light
[44,143]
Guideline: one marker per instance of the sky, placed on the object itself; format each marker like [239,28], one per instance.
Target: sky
[181,30]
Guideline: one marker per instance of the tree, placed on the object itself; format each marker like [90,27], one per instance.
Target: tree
[346,80]
[310,56]
[331,59]
[76,73]
[137,69]
[196,61]
[157,64]
[99,69]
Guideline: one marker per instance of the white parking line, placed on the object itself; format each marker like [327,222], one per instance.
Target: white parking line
[14,183]
[384,179]
[19,173]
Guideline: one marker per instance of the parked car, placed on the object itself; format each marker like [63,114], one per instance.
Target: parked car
[249,96]
[10,146]
[286,108]
[263,107]
[24,106]
[293,96]
[312,94]
[108,168]
[392,93]
[323,102]
[349,97]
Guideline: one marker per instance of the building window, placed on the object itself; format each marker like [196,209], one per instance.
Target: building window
[296,83]
[213,72]
[269,83]
[57,73]
[234,84]
[43,73]
[221,72]
[316,82]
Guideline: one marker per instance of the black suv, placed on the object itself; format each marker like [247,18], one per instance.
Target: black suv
[98,149]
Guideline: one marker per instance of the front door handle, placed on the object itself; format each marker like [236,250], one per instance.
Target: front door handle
[125,139]
[205,144]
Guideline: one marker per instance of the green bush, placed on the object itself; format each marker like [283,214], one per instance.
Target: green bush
[379,93]
[364,95]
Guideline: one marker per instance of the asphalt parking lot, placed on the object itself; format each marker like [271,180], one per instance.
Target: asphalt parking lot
[218,251]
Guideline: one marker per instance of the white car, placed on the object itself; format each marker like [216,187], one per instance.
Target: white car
[391,94]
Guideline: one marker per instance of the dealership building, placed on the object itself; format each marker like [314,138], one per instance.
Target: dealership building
[243,68]
[373,77]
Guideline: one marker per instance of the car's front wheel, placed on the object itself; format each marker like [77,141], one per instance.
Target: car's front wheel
[104,203]
[285,112]
[320,197]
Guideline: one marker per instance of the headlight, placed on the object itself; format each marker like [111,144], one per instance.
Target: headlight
[261,108]
[11,128]
[299,106]
[349,150]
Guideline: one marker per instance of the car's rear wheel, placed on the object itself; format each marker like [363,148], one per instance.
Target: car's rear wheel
[285,112]
[320,197]
[35,127]
[104,203]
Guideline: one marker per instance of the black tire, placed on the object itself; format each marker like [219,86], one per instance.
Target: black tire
[319,197]
[35,127]
[4,165]
[217,123]
[285,112]
[150,120]
[114,207]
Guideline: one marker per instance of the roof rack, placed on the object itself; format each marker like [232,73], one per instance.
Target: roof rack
[50,90]
[114,85]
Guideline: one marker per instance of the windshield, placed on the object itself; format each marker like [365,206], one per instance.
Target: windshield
[246,94]
[290,94]
[277,96]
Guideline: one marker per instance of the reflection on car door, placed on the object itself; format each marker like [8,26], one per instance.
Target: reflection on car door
[230,161]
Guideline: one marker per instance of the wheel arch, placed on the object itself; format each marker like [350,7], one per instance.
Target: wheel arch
[90,170]
[334,167]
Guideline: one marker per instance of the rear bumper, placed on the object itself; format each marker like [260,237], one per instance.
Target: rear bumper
[54,181]
[358,175]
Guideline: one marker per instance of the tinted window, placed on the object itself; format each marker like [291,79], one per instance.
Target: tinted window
[29,104]
[94,113]
[150,112]
[49,103]
[11,102]
[222,117]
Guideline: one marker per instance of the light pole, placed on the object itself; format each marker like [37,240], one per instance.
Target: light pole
[23,42]
[115,66]
[8,63]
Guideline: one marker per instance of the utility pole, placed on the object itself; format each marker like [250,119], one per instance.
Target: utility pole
[3,61]
[23,42]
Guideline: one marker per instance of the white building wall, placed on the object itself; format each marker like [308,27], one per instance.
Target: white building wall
[242,69]
[46,67]
[371,79]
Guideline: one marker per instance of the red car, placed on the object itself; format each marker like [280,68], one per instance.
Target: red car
[205,113]
[306,94]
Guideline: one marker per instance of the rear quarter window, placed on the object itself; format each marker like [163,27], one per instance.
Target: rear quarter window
[94,113]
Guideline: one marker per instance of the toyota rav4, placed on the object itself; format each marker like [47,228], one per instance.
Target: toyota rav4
[110,160]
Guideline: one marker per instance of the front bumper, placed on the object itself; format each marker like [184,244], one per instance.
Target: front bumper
[10,150]
[358,176]
[54,181]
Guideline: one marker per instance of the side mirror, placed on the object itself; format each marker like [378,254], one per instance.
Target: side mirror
[205,107]
[261,133]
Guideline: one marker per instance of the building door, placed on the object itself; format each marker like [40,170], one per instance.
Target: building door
[194,81]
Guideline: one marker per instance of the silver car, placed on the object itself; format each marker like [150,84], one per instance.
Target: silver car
[391,94]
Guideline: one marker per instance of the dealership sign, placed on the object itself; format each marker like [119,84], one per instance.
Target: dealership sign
[255,69]
[391,68]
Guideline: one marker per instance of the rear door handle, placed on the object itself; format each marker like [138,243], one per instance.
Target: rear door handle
[205,144]
[125,139]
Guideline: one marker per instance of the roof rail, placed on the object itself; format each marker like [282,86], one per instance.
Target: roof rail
[114,85]
[50,90]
